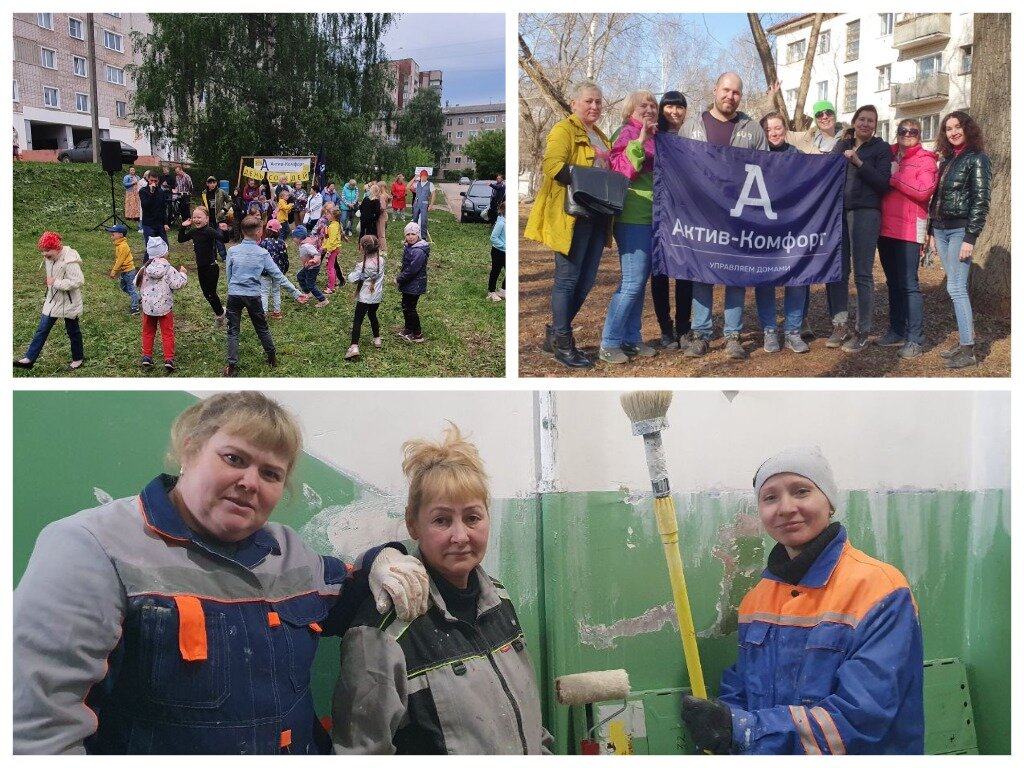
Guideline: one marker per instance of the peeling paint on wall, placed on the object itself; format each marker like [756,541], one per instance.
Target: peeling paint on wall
[603,636]
[102,497]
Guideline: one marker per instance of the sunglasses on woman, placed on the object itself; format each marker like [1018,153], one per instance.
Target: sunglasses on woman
[824,113]
[908,132]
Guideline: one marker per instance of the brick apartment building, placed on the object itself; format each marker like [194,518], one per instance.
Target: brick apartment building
[52,103]
[410,79]
[463,123]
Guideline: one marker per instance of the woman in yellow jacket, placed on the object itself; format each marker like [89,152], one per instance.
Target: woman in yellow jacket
[576,241]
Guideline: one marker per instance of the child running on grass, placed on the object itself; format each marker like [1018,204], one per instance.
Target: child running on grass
[332,246]
[63,301]
[205,239]
[284,211]
[247,261]
[412,281]
[309,255]
[158,281]
[369,276]
[276,245]
[124,264]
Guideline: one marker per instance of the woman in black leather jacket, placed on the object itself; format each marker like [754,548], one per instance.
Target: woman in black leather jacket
[958,212]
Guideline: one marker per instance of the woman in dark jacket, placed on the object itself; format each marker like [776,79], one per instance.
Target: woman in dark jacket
[867,180]
[958,213]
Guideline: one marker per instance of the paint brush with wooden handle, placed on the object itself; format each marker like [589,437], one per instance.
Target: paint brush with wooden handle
[647,412]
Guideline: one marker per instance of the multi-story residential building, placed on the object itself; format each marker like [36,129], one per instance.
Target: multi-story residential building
[905,64]
[463,123]
[52,100]
[409,79]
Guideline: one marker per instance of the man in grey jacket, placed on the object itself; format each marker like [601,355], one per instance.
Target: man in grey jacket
[724,125]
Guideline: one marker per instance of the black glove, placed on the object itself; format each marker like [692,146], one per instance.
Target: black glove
[709,722]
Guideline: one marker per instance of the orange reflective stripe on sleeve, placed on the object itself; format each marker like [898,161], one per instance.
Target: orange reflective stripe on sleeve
[273,620]
[316,627]
[828,728]
[286,739]
[191,628]
[803,730]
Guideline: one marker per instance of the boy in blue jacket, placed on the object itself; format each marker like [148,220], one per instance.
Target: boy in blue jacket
[412,281]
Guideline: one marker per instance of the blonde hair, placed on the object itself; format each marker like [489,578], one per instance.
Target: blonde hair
[635,99]
[584,85]
[450,469]
[249,415]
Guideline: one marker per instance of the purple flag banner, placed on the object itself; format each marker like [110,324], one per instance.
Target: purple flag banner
[745,217]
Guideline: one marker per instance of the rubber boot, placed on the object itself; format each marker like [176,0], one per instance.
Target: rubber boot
[567,354]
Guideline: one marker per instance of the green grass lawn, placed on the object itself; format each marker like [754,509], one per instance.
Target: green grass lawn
[465,332]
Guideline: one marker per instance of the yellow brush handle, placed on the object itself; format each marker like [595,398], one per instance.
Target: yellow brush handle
[668,527]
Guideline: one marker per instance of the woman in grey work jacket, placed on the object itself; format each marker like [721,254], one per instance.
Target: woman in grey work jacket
[457,680]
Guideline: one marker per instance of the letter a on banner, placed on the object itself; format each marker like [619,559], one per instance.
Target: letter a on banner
[754,176]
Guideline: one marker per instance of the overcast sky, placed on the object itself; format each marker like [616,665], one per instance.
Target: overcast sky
[469,49]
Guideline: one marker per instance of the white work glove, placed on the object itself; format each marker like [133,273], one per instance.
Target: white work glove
[399,580]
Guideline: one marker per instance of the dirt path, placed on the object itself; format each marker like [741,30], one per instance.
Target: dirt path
[535,275]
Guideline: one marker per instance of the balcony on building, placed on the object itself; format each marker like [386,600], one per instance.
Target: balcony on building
[924,90]
[917,30]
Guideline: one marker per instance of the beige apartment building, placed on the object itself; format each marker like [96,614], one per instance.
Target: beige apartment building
[463,123]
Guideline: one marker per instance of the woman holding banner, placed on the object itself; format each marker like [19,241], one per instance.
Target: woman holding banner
[867,180]
[577,242]
[632,156]
[904,225]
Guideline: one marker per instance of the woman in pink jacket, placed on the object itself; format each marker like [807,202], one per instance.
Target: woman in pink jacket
[904,227]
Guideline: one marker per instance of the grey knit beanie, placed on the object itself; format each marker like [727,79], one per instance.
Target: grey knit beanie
[805,460]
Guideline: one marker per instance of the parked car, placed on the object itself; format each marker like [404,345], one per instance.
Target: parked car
[464,181]
[82,153]
[477,200]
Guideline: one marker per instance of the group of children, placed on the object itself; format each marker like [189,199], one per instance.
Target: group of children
[256,271]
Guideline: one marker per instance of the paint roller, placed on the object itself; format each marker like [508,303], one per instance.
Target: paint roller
[646,410]
[587,688]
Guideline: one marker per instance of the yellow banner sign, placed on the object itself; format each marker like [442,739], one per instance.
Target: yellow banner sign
[275,178]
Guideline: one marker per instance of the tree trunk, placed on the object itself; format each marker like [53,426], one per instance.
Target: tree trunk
[764,52]
[990,90]
[535,70]
[800,116]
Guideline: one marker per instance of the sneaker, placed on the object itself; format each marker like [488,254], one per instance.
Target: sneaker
[639,350]
[135,312]
[493,296]
[277,315]
[946,354]
[169,365]
[416,338]
[698,347]
[353,351]
[613,355]
[963,358]
[910,349]
[771,341]
[890,339]
[795,342]
[220,320]
[839,335]
[230,371]
[501,292]
[378,342]
[668,341]
[322,303]
[858,342]
[734,348]
[147,361]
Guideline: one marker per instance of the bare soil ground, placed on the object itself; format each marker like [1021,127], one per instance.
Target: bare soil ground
[535,276]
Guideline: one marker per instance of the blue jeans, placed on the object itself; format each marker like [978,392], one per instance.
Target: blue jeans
[947,243]
[576,271]
[127,281]
[900,259]
[703,295]
[860,239]
[794,307]
[307,281]
[347,214]
[148,232]
[626,308]
[46,324]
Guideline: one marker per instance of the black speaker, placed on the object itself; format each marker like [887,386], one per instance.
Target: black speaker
[110,155]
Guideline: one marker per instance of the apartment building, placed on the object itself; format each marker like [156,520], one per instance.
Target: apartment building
[905,64]
[52,101]
[463,123]
[409,79]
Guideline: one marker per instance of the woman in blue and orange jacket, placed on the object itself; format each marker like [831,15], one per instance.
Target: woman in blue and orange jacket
[830,659]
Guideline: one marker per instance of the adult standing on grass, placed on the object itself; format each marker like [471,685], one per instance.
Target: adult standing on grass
[184,188]
[153,200]
[423,194]
[576,240]
[349,204]
[632,156]
[902,237]
[132,205]
[369,212]
[398,197]
[382,220]
[63,300]
[314,208]
[869,166]
[218,204]
[958,212]
[497,198]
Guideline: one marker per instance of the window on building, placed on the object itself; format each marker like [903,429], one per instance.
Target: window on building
[966,59]
[16,97]
[850,93]
[458,160]
[882,131]
[474,133]
[448,121]
[48,58]
[884,75]
[458,135]
[853,40]
[75,28]
[44,20]
[51,97]
[460,121]
[121,109]
[822,90]
[113,41]
[115,75]
[491,119]
[796,51]
[448,135]
[79,66]
[115,15]
[929,127]
[885,22]
[824,41]
[82,102]
[503,117]
[472,121]
[791,95]
[929,65]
